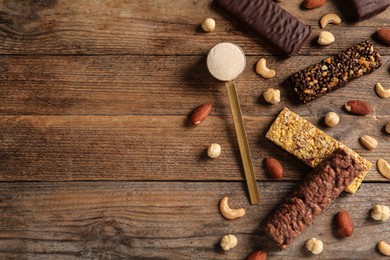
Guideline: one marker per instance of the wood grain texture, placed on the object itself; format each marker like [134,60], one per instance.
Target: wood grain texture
[138,220]
[153,27]
[160,85]
[50,148]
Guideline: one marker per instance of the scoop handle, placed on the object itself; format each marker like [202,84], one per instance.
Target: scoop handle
[243,143]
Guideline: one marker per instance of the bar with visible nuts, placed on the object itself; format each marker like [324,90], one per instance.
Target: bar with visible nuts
[317,191]
[309,144]
[335,72]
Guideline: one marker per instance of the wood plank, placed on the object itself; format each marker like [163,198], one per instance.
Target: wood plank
[158,85]
[153,27]
[168,220]
[53,148]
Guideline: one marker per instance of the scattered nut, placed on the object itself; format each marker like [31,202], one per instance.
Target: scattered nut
[383,168]
[332,119]
[272,96]
[381,91]
[274,167]
[329,18]
[201,113]
[229,213]
[208,25]
[257,255]
[368,141]
[315,246]
[214,150]
[384,248]
[228,242]
[384,35]
[344,222]
[262,70]
[380,212]
[358,107]
[387,128]
[311,4]
[325,38]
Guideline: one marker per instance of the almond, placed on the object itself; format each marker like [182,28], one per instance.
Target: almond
[257,255]
[310,4]
[344,223]
[384,35]
[358,107]
[274,167]
[200,113]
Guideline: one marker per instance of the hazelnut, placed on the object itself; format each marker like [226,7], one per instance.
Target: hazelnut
[387,128]
[325,38]
[332,119]
[214,151]
[272,96]
[380,212]
[315,246]
[228,242]
[208,25]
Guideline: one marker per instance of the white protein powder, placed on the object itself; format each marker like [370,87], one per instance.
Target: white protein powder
[226,61]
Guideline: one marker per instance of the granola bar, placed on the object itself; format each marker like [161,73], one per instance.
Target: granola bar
[312,197]
[335,72]
[309,144]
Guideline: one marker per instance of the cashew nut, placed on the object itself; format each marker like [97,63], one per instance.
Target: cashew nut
[384,248]
[381,91]
[262,70]
[229,213]
[325,38]
[380,212]
[228,242]
[383,168]
[329,18]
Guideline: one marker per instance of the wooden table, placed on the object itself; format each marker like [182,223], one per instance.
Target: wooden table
[97,160]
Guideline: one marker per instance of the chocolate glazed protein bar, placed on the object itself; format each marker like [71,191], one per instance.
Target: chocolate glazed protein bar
[364,9]
[317,191]
[271,22]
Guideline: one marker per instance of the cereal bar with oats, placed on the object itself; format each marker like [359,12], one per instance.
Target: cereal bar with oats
[309,144]
[335,72]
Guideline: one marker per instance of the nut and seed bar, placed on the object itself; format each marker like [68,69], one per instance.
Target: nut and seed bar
[311,197]
[335,72]
[309,144]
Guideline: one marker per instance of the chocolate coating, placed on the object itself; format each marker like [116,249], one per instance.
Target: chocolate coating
[364,9]
[277,26]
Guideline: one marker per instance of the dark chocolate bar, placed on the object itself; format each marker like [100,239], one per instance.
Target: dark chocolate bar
[335,72]
[272,22]
[317,191]
[364,9]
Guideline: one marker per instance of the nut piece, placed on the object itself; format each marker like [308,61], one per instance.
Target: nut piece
[369,142]
[311,4]
[380,212]
[387,128]
[272,96]
[200,113]
[208,25]
[325,38]
[384,248]
[257,255]
[383,168]
[358,107]
[228,242]
[229,213]
[315,246]
[262,70]
[214,151]
[384,35]
[329,18]
[381,91]
[332,119]
[344,223]
[274,167]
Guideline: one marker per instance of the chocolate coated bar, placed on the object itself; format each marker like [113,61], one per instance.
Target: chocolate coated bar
[335,72]
[311,197]
[364,9]
[273,23]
